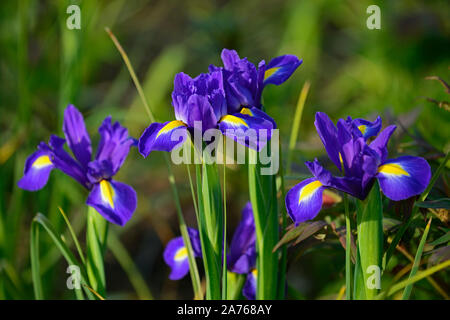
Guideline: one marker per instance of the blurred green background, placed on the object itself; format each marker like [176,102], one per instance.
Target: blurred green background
[353,71]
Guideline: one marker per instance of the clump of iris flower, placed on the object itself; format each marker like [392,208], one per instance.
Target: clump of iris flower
[360,161]
[114,200]
[226,98]
[240,259]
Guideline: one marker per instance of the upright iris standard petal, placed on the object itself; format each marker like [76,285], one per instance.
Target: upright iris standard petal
[115,201]
[64,162]
[176,254]
[37,170]
[162,137]
[304,201]
[328,134]
[115,143]
[242,256]
[404,177]
[250,131]
[367,128]
[77,137]
[379,144]
[279,69]
[249,290]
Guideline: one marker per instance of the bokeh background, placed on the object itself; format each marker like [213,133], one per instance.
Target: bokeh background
[352,70]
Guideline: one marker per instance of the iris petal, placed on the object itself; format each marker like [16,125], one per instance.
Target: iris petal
[37,171]
[249,289]
[250,131]
[329,136]
[404,177]
[115,201]
[279,69]
[176,255]
[162,137]
[304,201]
[77,137]
[114,145]
[242,256]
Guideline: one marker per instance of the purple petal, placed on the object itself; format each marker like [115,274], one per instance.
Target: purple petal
[115,201]
[249,289]
[250,131]
[37,170]
[367,128]
[77,137]
[242,256]
[176,255]
[162,137]
[328,134]
[200,111]
[304,201]
[379,144]
[279,69]
[64,162]
[114,145]
[404,177]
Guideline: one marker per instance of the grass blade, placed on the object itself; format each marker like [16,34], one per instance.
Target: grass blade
[415,267]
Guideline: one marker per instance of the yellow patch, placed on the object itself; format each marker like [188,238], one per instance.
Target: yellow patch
[181,254]
[255,273]
[41,162]
[309,189]
[234,120]
[170,126]
[247,111]
[270,72]
[341,160]
[393,168]
[107,192]
[362,128]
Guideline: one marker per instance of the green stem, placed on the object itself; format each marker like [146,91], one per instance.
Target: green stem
[348,251]
[224,267]
[96,236]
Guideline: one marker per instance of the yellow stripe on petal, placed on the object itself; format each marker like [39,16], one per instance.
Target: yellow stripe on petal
[393,169]
[255,272]
[107,192]
[362,128]
[170,126]
[247,111]
[234,120]
[309,190]
[41,162]
[270,72]
[181,254]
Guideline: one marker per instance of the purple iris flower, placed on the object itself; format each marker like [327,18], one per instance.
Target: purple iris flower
[114,200]
[244,82]
[225,98]
[176,254]
[361,162]
[240,259]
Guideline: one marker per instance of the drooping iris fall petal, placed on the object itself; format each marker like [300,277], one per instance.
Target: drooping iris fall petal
[304,201]
[115,201]
[176,254]
[37,171]
[162,137]
[404,177]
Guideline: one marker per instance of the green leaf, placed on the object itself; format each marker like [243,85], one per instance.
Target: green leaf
[263,196]
[300,233]
[41,220]
[435,204]
[444,239]
[418,257]
[96,234]
[370,236]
